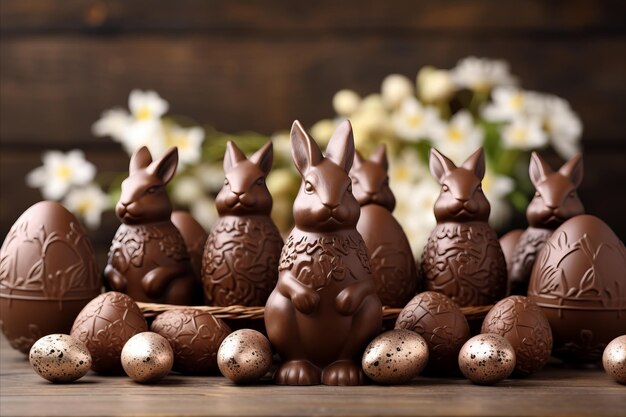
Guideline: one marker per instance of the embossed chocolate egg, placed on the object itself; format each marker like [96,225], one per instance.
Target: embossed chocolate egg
[147,357]
[244,356]
[440,321]
[104,326]
[395,357]
[60,358]
[47,274]
[194,236]
[195,337]
[614,359]
[524,325]
[579,282]
[486,359]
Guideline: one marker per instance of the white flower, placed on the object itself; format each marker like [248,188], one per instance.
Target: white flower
[373,103]
[394,89]
[211,176]
[458,138]
[508,103]
[407,168]
[59,172]
[563,125]
[434,84]
[482,74]
[323,130]
[87,203]
[496,189]
[282,145]
[204,211]
[346,102]
[146,105]
[371,124]
[113,123]
[187,189]
[524,133]
[413,121]
[149,133]
[188,140]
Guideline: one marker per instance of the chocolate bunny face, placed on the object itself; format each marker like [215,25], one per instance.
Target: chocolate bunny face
[556,199]
[461,198]
[144,198]
[244,191]
[325,201]
[370,182]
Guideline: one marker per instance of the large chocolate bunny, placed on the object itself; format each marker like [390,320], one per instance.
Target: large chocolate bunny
[393,265]
[463,258]
[324,309]
[555,201]
[240,263]
[148,259]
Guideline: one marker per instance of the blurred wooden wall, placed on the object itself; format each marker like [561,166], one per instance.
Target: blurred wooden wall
[252,65]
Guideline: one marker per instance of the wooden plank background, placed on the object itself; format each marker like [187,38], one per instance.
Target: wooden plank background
[251,65]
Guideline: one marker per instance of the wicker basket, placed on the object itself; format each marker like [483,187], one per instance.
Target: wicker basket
[243,312]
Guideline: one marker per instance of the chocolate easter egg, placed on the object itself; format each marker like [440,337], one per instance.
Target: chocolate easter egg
[579,281]
[194,236]
[47,274]
[195,337]
[524,325]
[105,325]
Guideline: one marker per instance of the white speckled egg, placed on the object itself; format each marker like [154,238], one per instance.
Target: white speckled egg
[395,357]
[486,359]
[147,357]
[244,356]
[60,358]
[614,359]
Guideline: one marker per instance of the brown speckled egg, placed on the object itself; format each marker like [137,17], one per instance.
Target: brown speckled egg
[524,325]
[244,356]
[395,357]
[195,337]
[60,358]
[104,326]
[440,321]
[486,359]
[147,357]
[614,359]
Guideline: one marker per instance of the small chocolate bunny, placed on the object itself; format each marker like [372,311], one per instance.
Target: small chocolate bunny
[463,258]
[240,263]
[148,259]
[324,309]
[555,201]
[393,265]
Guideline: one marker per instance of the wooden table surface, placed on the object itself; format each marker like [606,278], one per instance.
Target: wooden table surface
[554,391]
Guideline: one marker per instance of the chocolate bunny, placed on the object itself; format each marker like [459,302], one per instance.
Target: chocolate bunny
[463,258]
[148,259]
[324,309]
[554,202]
[240,262]
[393,265]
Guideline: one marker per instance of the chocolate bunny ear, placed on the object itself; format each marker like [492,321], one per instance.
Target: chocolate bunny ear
[358,159]
[440,166]
[380,156]
[476,163]
[573,169]
[340,148]
[263,157]
[140,160]
[538,169]
[232,156]
[165,168]
[304,150]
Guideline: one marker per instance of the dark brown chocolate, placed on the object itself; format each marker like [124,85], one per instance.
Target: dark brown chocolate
[324,309]
[554,202]
[105,325]
[579,281]
[195,337]
[148,259]
[393,266]
[240,264]
[194,236]
[508,242]
[463,258]
[524,325]
[440,321]
[47,274]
